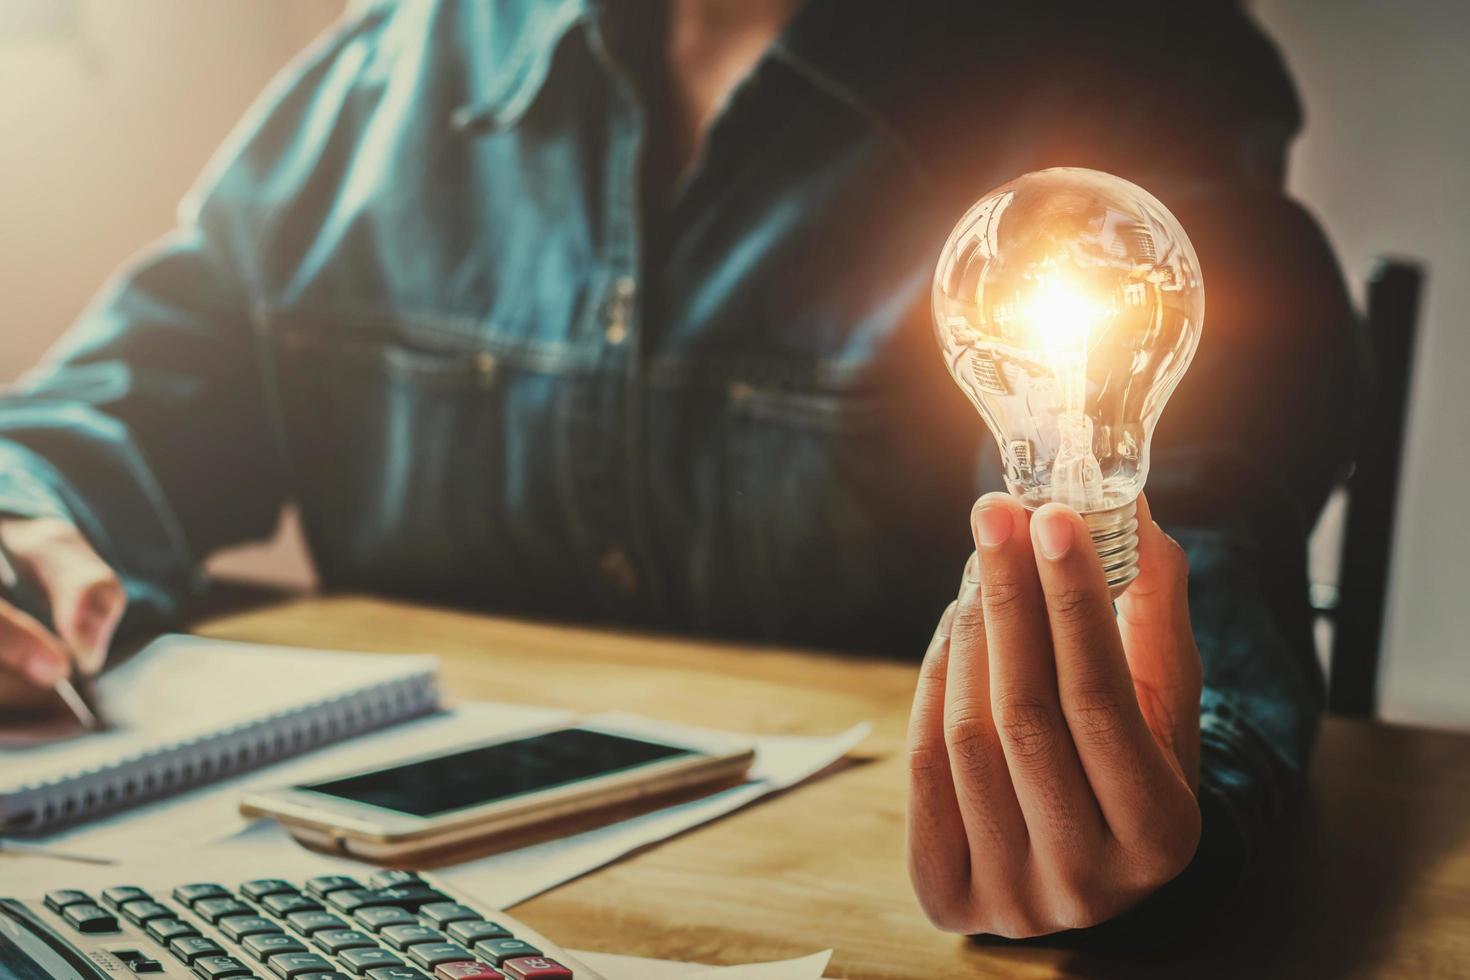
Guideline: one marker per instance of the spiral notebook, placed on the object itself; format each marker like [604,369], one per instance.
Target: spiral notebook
[187,711]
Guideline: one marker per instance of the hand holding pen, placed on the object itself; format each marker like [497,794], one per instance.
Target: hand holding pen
[86,600]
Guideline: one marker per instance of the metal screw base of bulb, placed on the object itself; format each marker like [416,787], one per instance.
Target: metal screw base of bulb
[1115,536]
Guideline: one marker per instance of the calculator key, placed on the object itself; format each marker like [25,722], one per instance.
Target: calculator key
[335,941]
[137,961]
[387,879]
[189,894]
[287,966]
[190,948]
[431,955]
[237,927]
[165,930]
[60,899]
[283,904]
[144,910]
[378,919]
[219,967]
[397,973]
[470,933]
[467,971]
[360,961]
[411,897]
[403,896]
[263,947]
[535,968]
[326,884]
[311,923]
[497,951]
[443,913]
[333,975]
[402,937]
[122,893]
[261,887]
[212,910]
[349,899]
[89,918]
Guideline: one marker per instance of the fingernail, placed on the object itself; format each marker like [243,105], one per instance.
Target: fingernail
[102,646]
[44,671]
[993,526]
[972,567]
[1053,533]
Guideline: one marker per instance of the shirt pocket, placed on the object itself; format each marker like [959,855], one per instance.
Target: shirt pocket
[810,510]
[396,443]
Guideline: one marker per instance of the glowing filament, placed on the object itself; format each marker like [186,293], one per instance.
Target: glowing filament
[1061,315]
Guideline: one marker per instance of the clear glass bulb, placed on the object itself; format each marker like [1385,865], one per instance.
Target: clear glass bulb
[1068,304]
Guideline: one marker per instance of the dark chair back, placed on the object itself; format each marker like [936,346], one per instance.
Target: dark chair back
[1394,291]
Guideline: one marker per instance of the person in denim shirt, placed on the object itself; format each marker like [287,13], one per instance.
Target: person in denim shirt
[618,312]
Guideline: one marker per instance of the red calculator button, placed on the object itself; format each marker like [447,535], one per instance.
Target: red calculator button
[468,971]
[535,968]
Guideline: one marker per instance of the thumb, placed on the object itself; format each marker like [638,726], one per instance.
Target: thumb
[1153,620]
[86,596]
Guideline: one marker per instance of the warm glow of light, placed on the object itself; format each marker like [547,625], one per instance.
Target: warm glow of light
[1062,315]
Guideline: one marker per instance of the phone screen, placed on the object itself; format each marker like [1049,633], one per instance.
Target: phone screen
[491,773]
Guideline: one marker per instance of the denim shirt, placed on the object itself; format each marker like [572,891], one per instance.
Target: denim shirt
[417,296]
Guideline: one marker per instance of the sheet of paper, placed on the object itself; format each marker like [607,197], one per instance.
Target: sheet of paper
[507,879]
[503,880]
[28,877]
[211,813]
[182,687]
[615,967]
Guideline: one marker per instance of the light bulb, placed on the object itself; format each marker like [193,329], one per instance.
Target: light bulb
[1068,304]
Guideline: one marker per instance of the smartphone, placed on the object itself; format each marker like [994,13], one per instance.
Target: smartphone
[505,788]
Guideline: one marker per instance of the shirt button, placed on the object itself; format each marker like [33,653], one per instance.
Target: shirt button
[618,571]
[620,309]
[485,365]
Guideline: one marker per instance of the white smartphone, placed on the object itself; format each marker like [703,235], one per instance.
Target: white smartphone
[471,795]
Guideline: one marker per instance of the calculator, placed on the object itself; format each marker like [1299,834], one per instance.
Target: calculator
[396,925]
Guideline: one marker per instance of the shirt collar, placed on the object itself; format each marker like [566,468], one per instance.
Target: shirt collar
[845,48]
[910,68]
[867,54]
[509,46]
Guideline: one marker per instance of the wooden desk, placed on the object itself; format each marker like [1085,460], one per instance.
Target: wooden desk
[1377,879]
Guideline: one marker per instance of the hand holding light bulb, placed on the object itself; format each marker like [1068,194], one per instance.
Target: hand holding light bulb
[1054,743]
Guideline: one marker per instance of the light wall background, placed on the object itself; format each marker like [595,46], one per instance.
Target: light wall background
[108,111]
[1385,164]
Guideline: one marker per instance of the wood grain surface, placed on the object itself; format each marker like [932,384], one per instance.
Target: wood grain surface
[1372,880]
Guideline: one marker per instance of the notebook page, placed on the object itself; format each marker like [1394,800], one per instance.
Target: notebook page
[182,688]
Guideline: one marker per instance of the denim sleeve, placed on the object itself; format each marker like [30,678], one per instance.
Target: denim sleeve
[145,419]
[29,486]
[148,424]
[1263,693]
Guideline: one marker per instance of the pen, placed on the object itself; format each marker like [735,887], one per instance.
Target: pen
[64,688]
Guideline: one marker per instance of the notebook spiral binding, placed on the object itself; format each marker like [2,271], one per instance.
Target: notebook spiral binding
[79,796]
